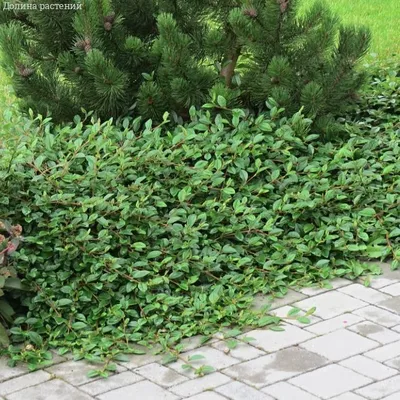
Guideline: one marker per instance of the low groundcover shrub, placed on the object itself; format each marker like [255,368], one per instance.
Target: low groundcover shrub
[153,235]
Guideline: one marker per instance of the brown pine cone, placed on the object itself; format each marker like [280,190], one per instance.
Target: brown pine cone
[25,71]
[251,12]
[110,18]
[80,44]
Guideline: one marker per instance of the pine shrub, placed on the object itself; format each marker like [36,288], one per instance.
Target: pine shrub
[152,56]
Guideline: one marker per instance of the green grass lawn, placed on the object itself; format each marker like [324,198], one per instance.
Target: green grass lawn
[6,96]
[5,91]
[382,17]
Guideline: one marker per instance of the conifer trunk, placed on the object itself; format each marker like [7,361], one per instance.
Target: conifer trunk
[229,70]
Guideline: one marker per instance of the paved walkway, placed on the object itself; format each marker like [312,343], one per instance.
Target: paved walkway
[349,351]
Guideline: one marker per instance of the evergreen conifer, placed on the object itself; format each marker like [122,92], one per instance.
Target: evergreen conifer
[151,56]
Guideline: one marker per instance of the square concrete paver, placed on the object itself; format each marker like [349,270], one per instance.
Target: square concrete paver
[385,353]
[381,389]
[392,304]
[375,332]
[137,360]
[275,367]
[394,396]
[379,316]
[113,382]
[75,372]
[213,357]
[242,351]
[285,391]
[198,385]
[363,293]
[7,372]
[283,311]
[348,396]
[143,390]
[388,277]
[335,283]
[396,328]
[331,325]
[394,363]
[339,344]
[330,381]
[195,342]
[208,395]
[370,368]
[50,390]
[393,290]
[240,391]
[331,304]
[160,374]
[23,382]
[261,300]
[271,341]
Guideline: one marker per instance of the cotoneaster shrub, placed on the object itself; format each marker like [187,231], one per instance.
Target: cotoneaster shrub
[137,235]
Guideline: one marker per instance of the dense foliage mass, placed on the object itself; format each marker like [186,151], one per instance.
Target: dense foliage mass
[136,234]
[152,56]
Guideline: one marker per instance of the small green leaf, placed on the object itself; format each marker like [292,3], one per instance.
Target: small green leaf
[394,233]
[169,358]
[207,369]
[367,212]
[275,174]
[293,311]
[311,311]
[244,176]
[140,274]
[122,357]
[191,220]
[304,320]
[266,320]
[196,357]
[322,263]
[228,249]
[247,339]
[35,338]
[221,101]
[139,246]
[93,374]
[64,302]
[4,340]
[229,191]
[78,325]
[232,344]
[215,294]
[205,339]
[154,254]
[277,328]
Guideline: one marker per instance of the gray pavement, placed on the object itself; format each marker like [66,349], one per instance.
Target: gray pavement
[350,350]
